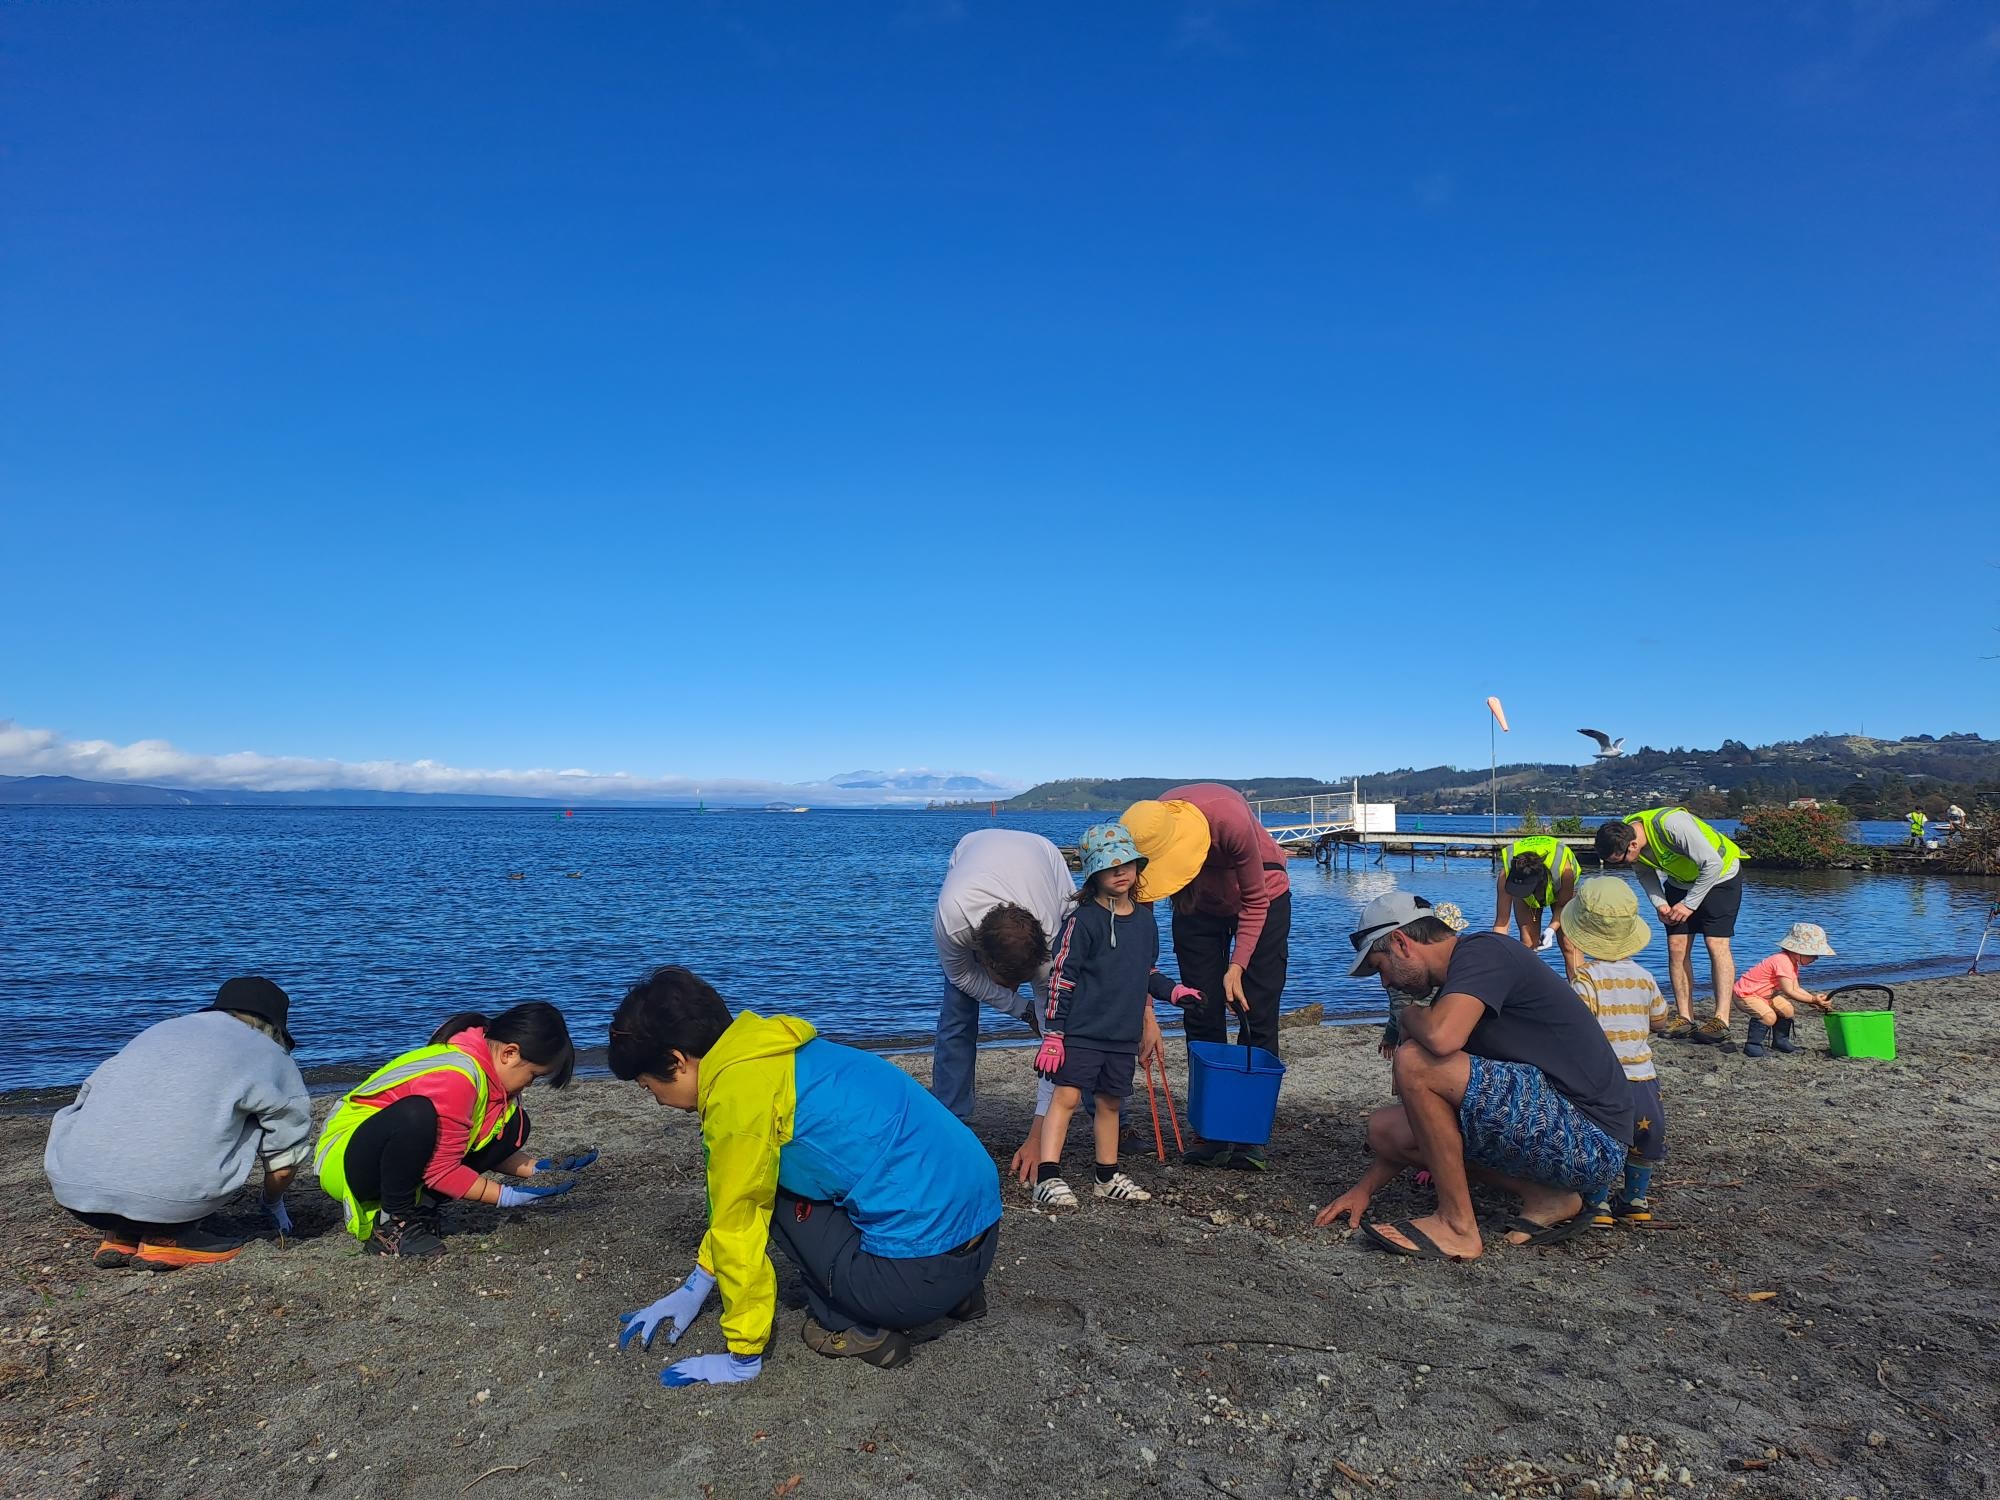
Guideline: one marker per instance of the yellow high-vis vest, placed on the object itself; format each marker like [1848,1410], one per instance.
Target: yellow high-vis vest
[1670,862]
[1557,859]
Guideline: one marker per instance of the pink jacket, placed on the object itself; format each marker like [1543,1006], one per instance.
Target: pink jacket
[1234,880]
[453,1094]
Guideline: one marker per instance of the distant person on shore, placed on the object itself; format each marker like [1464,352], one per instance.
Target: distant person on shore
[1504,1077]
[1207,850]
[888,1206]
[1703,894]
[1771,991]
[1102,987]
[1918,822]
[166,1132]
[1006,895]
[427,1126]
[1603,921]
[1538,874]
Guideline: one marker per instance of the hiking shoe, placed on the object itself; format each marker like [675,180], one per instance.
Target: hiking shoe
[884,1349]
[416,1235]
[191,1247]
[1248,1159]
[1052,1193]
[114,1252]
[1677,1029]
[1207,1154]
[1712,1032]
[973,1308]
[1121,1189]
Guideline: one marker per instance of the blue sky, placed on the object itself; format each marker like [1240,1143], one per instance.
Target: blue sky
[766,391]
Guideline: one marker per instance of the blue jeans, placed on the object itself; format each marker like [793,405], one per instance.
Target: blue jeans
[955,1054]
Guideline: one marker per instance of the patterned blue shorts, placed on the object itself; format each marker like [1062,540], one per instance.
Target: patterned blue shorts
[1515,1122]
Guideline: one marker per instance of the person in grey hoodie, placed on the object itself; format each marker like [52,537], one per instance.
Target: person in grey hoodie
[166,1132]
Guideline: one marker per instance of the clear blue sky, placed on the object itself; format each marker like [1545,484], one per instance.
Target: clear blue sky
[772,390]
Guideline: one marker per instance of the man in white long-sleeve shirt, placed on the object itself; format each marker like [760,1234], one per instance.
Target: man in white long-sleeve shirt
[1703,893]
[1005,896]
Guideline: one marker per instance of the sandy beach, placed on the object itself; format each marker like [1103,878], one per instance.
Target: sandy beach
[1815,1315]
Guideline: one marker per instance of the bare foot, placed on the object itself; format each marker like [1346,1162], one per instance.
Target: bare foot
[1545,1206]
[1465,1244]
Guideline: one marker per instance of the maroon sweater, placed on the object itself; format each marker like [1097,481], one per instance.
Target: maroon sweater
[1233,880]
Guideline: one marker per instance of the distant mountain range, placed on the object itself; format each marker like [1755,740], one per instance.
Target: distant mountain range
[1871,777]
[853,789]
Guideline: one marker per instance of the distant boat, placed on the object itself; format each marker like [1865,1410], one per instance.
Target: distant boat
[784,807]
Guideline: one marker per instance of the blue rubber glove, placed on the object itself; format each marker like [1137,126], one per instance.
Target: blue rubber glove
[566,1163]
[527,1197]
[713,1369]
[679,1308]
[279,1215]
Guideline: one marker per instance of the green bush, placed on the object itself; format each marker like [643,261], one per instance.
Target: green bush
[1567,827]
[1799,838]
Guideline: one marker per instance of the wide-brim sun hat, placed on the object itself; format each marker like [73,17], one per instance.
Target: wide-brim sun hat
[1808,940]
[1384,915]
[1602,919]
[1105,846]
[1173,837]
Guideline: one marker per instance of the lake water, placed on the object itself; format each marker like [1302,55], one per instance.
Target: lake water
[382,921]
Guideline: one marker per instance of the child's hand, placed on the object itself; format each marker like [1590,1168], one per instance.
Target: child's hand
[1049,1061]
[1183,993]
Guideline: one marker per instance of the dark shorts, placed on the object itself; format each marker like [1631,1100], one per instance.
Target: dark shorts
[1096,1072]
[1716,916]
[1649,1121]
[1515,1122]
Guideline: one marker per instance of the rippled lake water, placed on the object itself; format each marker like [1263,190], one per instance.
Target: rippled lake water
[381,921]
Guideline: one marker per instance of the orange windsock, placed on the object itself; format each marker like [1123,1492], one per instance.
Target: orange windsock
[1499,713]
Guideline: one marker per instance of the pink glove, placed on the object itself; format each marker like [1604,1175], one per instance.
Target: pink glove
[1184,993]
[1049,1060]
[1423,1179]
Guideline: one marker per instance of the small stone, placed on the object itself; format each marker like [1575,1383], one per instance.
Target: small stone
[1876,1440]
[1148,1456]
[1685,1477]
[480,1398]
[1423,1369]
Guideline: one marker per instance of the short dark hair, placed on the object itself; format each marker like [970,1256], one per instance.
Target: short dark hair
[1011,945]
[1614,837]
[671,1010]
[535,1026]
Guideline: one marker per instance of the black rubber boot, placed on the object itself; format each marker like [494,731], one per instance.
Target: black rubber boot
[1781,1037]
[1758,1032]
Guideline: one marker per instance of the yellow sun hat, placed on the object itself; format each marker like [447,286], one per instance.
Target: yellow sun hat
[1173,836]
[1603,919]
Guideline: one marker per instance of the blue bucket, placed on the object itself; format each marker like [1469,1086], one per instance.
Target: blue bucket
[1232,1092]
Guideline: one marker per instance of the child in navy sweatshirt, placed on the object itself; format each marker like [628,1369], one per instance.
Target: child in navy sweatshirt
[1102,980]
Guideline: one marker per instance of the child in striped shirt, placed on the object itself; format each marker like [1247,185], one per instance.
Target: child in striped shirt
[1604,926]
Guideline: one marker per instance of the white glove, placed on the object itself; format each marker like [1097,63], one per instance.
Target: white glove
[1548,940]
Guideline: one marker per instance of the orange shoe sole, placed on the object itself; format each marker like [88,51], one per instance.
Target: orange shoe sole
[173,1257]
[111,1254]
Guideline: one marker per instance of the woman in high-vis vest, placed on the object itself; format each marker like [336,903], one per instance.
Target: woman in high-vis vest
[428,1125]
[1537,874]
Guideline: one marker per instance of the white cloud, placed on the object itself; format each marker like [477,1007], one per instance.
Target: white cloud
[44,752]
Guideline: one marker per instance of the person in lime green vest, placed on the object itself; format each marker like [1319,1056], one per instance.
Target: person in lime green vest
[1917,823]
[1703,893]
[1537,874]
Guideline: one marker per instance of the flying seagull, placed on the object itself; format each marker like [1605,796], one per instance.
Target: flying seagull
[1607,747]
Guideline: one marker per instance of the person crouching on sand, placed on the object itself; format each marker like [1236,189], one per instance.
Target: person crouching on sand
[1101,990]
[426,1126]
[887,1204]
[1771,991]
[166,1132]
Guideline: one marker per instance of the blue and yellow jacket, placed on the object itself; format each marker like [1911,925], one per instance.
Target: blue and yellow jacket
[782,1109]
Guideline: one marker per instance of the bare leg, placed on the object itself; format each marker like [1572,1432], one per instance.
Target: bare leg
[1531,923]
[1543,1204]
[1055,1129]
[1722,968]
[1680,969]
[1431,1089]
[1106,1130]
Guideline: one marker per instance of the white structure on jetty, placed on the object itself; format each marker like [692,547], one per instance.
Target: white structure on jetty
[1305,820]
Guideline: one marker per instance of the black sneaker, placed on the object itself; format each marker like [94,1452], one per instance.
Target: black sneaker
[972,1309]
[414,1235]
[1208,1154]
[1248,1159]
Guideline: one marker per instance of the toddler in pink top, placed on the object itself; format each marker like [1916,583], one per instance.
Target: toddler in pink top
[1771,991]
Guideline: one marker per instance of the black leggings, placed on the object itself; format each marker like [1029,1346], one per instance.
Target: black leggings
[387,1154]
[117,1226]
[1202,943]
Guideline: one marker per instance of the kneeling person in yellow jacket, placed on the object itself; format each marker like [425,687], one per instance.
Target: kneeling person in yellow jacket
[886,1202]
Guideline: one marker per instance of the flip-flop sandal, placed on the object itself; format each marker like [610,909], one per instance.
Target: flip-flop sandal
[1426,1247]
[1540,1236]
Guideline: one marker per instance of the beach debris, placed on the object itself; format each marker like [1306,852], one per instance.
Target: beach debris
[1759,1296]
[501,1469]
[786,1486]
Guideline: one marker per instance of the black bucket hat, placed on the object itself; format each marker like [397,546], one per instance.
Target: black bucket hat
[255,995]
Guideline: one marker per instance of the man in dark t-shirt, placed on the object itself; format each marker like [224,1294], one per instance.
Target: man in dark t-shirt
[1506,1076]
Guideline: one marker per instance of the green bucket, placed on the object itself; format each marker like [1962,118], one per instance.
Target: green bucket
[1862,1033]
